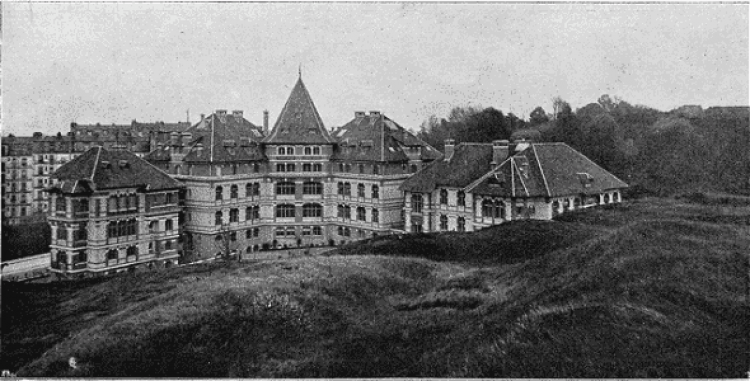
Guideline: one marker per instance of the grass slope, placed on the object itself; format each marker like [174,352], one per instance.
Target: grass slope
[655,288]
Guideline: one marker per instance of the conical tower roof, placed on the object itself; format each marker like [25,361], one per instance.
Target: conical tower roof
[299,121]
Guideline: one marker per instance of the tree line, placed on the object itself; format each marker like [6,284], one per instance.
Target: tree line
[683,150]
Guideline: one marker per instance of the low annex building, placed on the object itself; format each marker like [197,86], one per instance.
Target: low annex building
[479,185]
[110,210]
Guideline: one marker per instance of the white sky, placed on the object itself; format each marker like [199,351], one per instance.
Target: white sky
[114,62]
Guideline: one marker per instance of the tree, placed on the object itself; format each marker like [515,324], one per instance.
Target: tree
[538,116]
[226,242]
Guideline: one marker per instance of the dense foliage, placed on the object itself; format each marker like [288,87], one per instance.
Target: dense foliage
[655,152]
[25,240]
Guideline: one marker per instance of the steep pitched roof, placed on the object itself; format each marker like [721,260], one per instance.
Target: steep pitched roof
[376,137]
[99,168]
[546,170]
[299,121]
[220,137]
[469,162]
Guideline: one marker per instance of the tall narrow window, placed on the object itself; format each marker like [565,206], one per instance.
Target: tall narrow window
[316,150]
[375,215]
[361,214]
[443,197]
[443,222]
[168,225]
[256,189]
[218,218]
[461,224]
[234,215]
[281,167]
[416,202]
[375,191]
[281,151]
[233,191]
[308,150]
[248,190]
[347,189]
[219,193]
[461,198]
[340,187]
[360,190]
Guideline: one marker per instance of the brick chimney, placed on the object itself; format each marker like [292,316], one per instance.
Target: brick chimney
[450,148]
[359,114]
[265,122]
[237,114]
[500,151]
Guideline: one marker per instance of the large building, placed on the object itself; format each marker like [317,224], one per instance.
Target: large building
[17,180]
[480,185]
[295,185]
[111,210]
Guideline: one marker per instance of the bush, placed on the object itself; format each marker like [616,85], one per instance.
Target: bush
[25,240]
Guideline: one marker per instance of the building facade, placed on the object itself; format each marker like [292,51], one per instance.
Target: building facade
[480,185]
[111,210]
[295,185]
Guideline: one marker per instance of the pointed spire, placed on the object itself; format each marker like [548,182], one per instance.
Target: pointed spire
[299,121]
[300,70]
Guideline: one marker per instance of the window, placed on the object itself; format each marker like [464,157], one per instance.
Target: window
[248,190]
[413,168]
[340,230]
[59,205]
[416,202]
[361,214]
[361,168]
[376,169]
[252,213]
[62,232]
[233,236]
[234,215]
[307,167]
[112,254]
[493,209]
[233,191]
[132,251]
[153,226]
[340,187]
[461,224]
[308,150]
[256,232]
[280,167]
[285,188]
[375,215]
[285,211]
[347,189]
[443,197]
[248,233]
[312,210]
[347,232]
[317,230]
[219,193]
[443,222]
[168,226]
[375,191]
[218,218]
[461,198]
[361,190]
[344,211]
[290,167]
[316,150]
[317,167]
[312,187]
[290,150]
[281,151]
[167,245]
[341,167]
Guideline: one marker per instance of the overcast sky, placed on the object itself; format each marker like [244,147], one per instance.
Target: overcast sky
[114,62]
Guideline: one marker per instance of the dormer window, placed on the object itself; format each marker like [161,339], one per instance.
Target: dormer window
[281,151]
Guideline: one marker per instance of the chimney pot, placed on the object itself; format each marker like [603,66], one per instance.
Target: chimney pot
[237,114]
[359,114]
[265,122]
[374,113]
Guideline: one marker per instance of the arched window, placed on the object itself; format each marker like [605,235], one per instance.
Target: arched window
[416,202]
[168,225]
[234,215]
[461,198]
[281,151]
[218,217]
[360,190]
[308,150]
[290,150]
[375,191]
[461,222]
[443,222]
[285,188]
[312,188]
[312,210]
[233,191]
[361,214]
[443,197]
[285,211]
[375,215]
[219,192]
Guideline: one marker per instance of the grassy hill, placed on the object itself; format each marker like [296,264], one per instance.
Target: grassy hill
[653,288]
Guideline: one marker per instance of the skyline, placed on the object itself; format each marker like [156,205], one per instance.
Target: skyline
[115,62]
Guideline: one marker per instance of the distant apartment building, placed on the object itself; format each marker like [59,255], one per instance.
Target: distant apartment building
[295,185]
[17,180]
[481,184]
[111,210]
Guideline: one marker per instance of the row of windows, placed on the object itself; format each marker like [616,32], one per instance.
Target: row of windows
[308,210]
[345,189]
[306,167]
[130,251]
[80,233]
[251,213]
[289,231]
[122,228]
[286,150]
[460,197]
[347,168]
[290,188]
[345,211]
[251,190]
[460,223]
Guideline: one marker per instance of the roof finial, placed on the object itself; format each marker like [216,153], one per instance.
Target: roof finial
[300,70]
